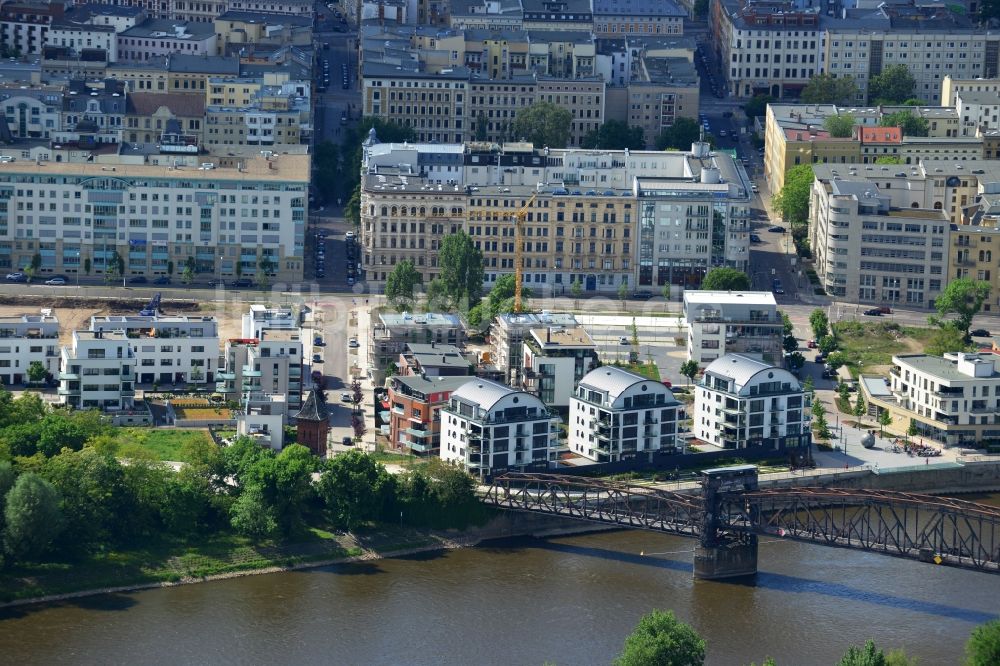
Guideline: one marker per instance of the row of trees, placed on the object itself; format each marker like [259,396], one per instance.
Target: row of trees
[69,487]
[893,85]
[660,639]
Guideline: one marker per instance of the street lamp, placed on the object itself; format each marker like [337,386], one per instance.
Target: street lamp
[78,268]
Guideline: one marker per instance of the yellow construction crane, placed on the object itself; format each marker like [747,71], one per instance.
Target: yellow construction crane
[519,218]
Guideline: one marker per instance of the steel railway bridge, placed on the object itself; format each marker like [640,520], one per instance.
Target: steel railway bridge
[731,512]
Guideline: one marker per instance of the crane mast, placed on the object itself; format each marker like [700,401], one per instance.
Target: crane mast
[519,217]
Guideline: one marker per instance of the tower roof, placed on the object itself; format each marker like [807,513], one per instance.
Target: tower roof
[314,409]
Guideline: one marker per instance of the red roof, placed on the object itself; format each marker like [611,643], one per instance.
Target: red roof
[881,135]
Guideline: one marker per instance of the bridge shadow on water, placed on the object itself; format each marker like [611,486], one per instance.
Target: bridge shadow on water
[779,582]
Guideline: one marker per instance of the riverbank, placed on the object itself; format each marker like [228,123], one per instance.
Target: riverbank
[142,570]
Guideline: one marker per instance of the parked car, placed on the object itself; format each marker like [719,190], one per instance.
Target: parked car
[353,343]
[778,229]
[623,340]
[642,295]
[873,312]
[885,309]
[318,341]
[317,358]
[820,357]
[755,189]
[138,279]
[17,277]
[345,396]
[163,279]
[754,238]
[776,286]
[811,344]
[350,282]
[979,333]
[56,281]
[242,283]
[347,441]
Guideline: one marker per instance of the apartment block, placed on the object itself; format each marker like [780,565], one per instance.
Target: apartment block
[159,37]
[263,374]
[154,117]
[429,359]
[508,332]
[952,86]
[168,350]
[603,218]
[795,134]
[555,359]
[615,18]
[155,216]
[392,332]
[261,317]
[488,428]
[869,251]
[616,414]
[24,26]
[952,399]
[27,339]
[98,371]
[414,416]
[31,112]
[725,322]
[744,403]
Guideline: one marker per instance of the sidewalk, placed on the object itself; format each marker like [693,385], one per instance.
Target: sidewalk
[363,317]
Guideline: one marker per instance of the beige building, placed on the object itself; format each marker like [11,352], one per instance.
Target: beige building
[618,18]
[868,251]
[951,86]
[661,91]
[149,114]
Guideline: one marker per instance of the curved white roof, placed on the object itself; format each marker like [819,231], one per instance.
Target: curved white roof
[741,369]
[482,392]
[612,380]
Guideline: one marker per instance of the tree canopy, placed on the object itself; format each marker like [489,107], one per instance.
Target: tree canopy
[543,124]
[983,646]
[400,283]
[725,279]
[829,89]
[757,107]
[963,298]
[839,126]
[31,517]
[461,264]
[661,640]
[793,199]
[820,323]
[909,122]
[894,85]
[680,135]
[615,135]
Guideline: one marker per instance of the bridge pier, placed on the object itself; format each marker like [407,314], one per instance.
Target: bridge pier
[721,553]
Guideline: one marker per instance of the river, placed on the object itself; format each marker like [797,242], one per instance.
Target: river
[568,600]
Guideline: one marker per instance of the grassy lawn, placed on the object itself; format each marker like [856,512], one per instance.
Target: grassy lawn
[647,370]
[205,413]
[401,459]
[169,561]
[162,444]
[869,345]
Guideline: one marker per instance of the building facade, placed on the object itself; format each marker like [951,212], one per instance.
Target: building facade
[724,322]
[507,334]
[619,415]
[743,403]
[488,428]
[27,339]
[168,350]
[98,371]
[415,404]
[392,332]
[555,359]
[263,373]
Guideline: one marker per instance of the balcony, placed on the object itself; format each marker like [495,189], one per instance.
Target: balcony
[67,391]
[248,371]
[225,375]
[68,376]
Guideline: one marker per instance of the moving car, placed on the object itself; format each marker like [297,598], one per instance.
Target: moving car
[873,312]
[347,441]
[979,333]
[242,283]
[778,229]
[56,281]
[776,286]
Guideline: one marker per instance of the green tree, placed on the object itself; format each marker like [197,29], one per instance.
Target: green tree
[86,265]
[327,169]
[500,300]
[401,281]
[808,386]
[36,263]
[790,344]
[869,655]
[787,328]
[188,272]
[700,9]
[32,519]
[355,489]
[680,135]
[170,267]
[910,123]
[792,201]
[352,210]
[888,159]
[860,408]
[461,264]
[37,372]
[912,430]
[820,323]
[661,640]
[543,124]
[983,646]
[481,126]
[829,89]
[945,339]
[827,344]
[114,268]
[840,126]
[690,369]
[884,420]
[252,515]
[264,269]
[836,359]
[614,135]
[894,85]
[796,360]
[576,290]
[963,298]
[7,479]
[725,279]
[757,107]
[634,330]
[622,295]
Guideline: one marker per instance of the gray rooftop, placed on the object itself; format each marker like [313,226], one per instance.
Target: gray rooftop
[183,63]
[393,320]
[427,385]
[666,8]
[942,368]
[614,381]
[170,29]
[484,393]
[876,386]
[742,368]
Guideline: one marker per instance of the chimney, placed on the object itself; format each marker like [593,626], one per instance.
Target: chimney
[444,359]
[548,335]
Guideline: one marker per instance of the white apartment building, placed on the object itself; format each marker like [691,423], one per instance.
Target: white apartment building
[488,428]
[98,371]
[155,216]
[32,113]
[616,415]
[555,359]
[868,251]
[261,317]
[743,403]
[951,86]
[725,322]
[953,399]
[84,37]
[602,218]
[25,339]
[168,350]
[507,334]
[263,374]
[978,111]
